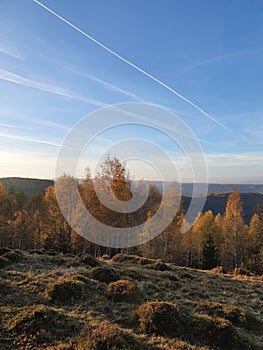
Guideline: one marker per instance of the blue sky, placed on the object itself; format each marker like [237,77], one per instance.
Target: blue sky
[51,76]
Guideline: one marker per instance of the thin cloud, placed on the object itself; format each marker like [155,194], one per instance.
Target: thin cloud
[6,49]
[29,139]
[150,76]
[8,125]
[48,124]
[20,80]
[223,57]
[109,86]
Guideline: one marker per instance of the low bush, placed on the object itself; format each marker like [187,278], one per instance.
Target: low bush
[13,255]
[131,259]
[88,260]
[214,331]
[51,252]
[242,272]
[158,318]
[144,261]
[66,290]
[123,290]
[4,250]
[217,270]
[105,257]
[160,266]
[36,251]
[104,274]
[234,314]
[170,276]
[108,336]
[43,322]
[187,275]
[4,262]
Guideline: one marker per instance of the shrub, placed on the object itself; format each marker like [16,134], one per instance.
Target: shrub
[52,252]
[88,260]
[66,290]
[104,274]
[214,331]
[105,257]
[234,314]
[158,318]
[160,266]
[120,258]
[123,290]
[217,270]
[13,256]
[144,261]
[187,275]
[4,250]
[242,272]
[36,251]
[110,336]
[170,276]
[44,322]
[4,262]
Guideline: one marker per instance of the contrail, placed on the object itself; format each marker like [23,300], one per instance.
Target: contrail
[132,65]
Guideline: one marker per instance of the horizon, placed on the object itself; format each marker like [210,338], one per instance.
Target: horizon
[189,59]
[138,179]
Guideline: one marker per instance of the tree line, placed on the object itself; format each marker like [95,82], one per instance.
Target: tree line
[214,240]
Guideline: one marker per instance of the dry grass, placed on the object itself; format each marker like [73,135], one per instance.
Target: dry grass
[230,306]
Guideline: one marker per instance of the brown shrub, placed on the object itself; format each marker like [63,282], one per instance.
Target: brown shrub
[213,331]
[66,290]
[234,314]
[43,322]
[109,336]
[158,318]
[123,290]
[104,274]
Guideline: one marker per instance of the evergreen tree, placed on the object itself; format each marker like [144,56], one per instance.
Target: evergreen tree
[209,256]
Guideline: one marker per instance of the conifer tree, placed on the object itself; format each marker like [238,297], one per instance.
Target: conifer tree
[209,254]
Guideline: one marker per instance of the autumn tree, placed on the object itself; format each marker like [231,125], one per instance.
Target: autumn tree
[255,245]
[233,233]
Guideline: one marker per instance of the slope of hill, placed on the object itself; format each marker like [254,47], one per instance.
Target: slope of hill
[32,186]
[217,203]
[187,188]
[132,303]
[27,185]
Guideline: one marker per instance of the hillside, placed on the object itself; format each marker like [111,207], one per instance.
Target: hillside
[32,186]
[214,201]
[27,185]
[187,188]
[217,203]
[66,302]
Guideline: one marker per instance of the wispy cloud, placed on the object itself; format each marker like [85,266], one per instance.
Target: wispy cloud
[8,49]
[50,124]
[131,64]
[8,125]
[223,57]
[29,139]
[108,86]
[54,89]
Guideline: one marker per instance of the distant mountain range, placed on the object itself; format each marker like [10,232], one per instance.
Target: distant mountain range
[187,188]
[27,185]
[251,195]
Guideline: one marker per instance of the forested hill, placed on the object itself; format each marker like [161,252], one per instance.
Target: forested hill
[216,201]
[32,186]
[187,188]
[27,185]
